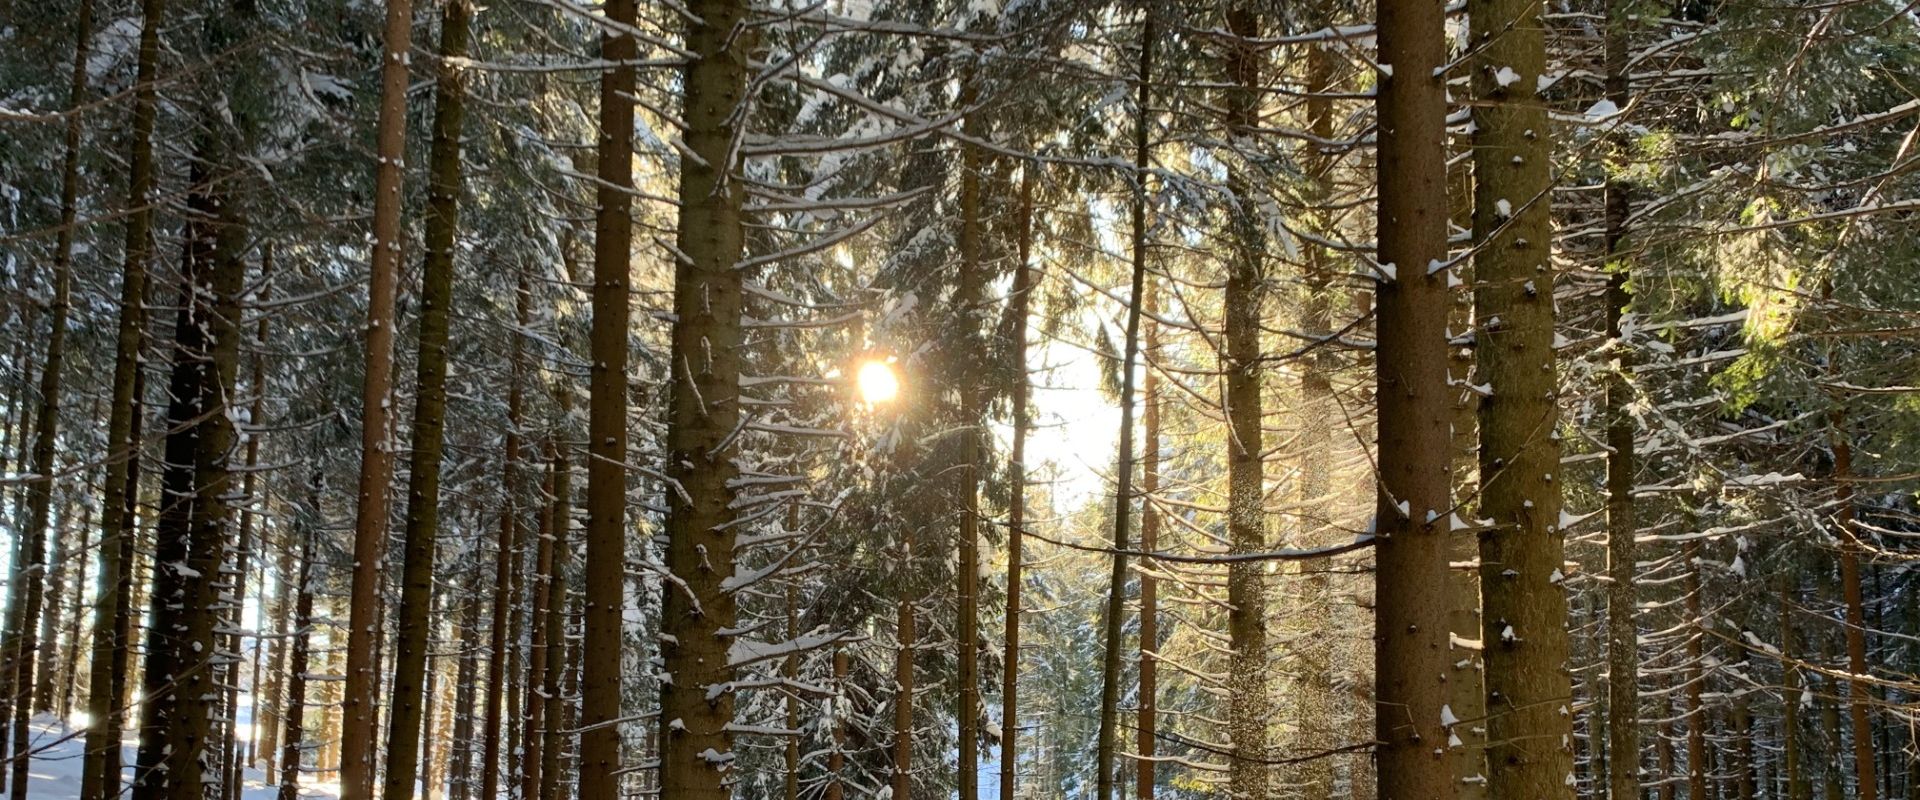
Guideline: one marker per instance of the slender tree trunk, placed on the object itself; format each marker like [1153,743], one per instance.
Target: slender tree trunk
[1149,700]
[968,297]
[1696,715]
[1314,700]
[791,671]
[1524,614]
[506,565]
[556,602]
[699,603]
[299,646]
[1797,787]
[1022,299]
[1410,640]
[25,593]
[1859,694]
[1623,653]
[376,444]
[243,552]
[837,757]
[276,672]
[539,595]
[901,778]
[460,756]
[1123,475]
[57,575]
[70,670]
[413,638]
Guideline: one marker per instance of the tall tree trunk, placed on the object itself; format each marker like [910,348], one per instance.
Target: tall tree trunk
[1016,513]
[539,595]
[1859,694]
[506,565]
[1524,606]
[901,778]
[191,541]
[837,757]
[1797,787]
[1623,653]
[1314,700]
[1149,694]
[23,604]
[967,300]
[1123,474]
[243,552]
[1696,715]
[1414,408]
[376,445]
[270,701]
[556,602]
[70,669]
[413,638]
[112,644]
[460,747]
[299,646]
[1247,694]
[699,603]
[607,411]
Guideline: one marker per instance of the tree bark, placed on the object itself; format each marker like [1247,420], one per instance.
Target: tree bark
[413,638]
[1414,408]
[1524,605]
[1123,474]
[376,445]
[1248,703]
[698,605]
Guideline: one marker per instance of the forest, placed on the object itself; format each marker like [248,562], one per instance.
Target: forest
[925,399]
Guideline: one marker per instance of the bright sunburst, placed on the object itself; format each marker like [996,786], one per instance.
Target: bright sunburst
[877,382]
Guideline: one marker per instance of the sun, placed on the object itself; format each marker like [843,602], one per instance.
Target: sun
[877,382]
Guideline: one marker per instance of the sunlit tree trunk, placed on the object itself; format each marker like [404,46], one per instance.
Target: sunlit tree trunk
[1414,409]
[1123,475]
[1524,605]
[1248,703]
[1022,299]
[697,706]
[376,445]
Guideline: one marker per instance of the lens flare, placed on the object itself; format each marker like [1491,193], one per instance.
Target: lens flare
[877,382]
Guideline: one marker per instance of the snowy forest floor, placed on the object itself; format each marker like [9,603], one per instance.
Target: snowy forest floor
[58,750]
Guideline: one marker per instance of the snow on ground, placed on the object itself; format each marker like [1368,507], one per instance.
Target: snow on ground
[57,748]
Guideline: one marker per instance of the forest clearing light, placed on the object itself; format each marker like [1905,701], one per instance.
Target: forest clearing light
[877,382]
